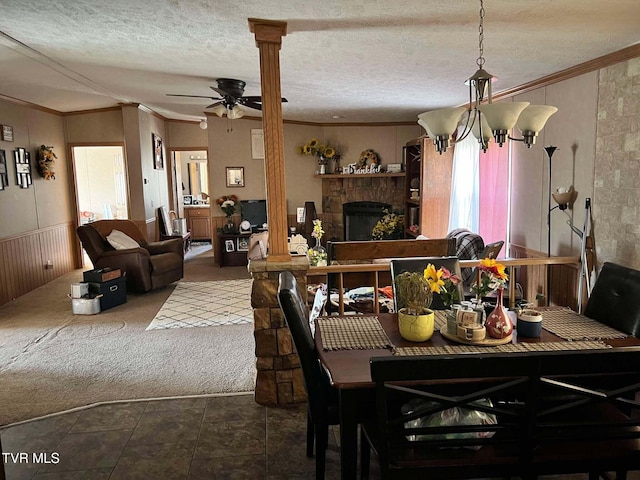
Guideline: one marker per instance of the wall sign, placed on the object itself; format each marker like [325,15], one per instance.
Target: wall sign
[7,133]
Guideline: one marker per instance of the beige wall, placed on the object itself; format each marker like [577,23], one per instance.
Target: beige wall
[95,127]
[45,202]
[572,130]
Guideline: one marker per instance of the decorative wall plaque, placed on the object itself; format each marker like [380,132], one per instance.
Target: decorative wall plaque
[7,133]
[23,167]
[4,178]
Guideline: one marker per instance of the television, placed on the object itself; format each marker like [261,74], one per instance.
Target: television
[255,212]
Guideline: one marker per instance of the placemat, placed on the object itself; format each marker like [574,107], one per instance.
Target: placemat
[352,333]
[507,348]
[440,319]
[570,325]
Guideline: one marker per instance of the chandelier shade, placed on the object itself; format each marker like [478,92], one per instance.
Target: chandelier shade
[485,119]
[219,110]
[235,113]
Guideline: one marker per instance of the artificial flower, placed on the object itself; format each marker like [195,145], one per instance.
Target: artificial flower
[492,277]
[317,229]
[315,148]
[389,226]
[227,204]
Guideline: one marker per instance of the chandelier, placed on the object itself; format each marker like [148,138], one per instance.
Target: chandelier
[485,120]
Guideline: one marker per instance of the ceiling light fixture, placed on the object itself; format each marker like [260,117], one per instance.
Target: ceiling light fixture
[484,120]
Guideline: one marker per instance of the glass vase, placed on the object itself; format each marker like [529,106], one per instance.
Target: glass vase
[318,255]
[229,227]
[498,322]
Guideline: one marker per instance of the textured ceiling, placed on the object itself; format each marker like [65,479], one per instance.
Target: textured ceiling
[363,60]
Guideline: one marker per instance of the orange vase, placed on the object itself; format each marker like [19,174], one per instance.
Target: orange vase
[498,322]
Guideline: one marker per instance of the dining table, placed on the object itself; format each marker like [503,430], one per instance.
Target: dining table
[345,345]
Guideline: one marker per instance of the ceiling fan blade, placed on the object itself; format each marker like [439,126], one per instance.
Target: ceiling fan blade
[193,96]
[254,105]
[253,98]
[213,104]
[220,92]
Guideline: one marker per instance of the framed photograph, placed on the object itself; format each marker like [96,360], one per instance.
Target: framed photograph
[187,199]
[4,179]
[23,167]
[257,144]
[158,152]
[235,176]
[229,246]
[7,133]
[243,244]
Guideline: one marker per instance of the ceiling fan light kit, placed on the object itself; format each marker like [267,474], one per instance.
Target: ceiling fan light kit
[484,120]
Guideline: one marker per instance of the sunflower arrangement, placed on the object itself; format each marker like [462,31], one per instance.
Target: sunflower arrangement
[368,156]
[415,290]
[315,148]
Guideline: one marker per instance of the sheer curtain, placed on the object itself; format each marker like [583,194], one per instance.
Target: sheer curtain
[494,193]
[465,185]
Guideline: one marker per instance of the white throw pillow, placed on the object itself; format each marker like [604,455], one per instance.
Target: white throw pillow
[121,241]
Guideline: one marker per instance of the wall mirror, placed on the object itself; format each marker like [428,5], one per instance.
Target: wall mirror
[235,176]
[195,175]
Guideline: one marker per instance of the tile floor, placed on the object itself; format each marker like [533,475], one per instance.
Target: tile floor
[226,437]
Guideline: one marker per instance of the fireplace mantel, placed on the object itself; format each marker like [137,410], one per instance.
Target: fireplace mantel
[328,176]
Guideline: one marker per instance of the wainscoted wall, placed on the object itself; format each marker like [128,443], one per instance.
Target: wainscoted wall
[563,280]
[23,259]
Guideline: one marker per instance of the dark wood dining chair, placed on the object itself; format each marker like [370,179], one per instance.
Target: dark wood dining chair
[418,264]
[615,299]
[537,430]
[322,399]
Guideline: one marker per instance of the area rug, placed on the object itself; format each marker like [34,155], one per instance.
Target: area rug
[52,360]
[206,304]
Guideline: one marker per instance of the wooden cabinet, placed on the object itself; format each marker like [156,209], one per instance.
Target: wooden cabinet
[199,222]
[232,249]
[427,188]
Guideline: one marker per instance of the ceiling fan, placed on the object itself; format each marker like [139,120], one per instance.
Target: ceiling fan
[231,96]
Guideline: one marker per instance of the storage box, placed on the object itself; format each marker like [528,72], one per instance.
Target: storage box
[86,306]
[114,292]
[102,275]
[79,289]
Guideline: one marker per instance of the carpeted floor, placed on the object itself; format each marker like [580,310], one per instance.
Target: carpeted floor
[190,305]
[52,360]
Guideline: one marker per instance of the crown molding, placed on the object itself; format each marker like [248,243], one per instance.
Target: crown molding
[589,66]
[24,103]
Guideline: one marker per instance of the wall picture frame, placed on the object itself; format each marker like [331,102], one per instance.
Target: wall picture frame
[257,144]
[23,167]
[4,177]
[242,244]
[7,133]
[158,152]
[235,176]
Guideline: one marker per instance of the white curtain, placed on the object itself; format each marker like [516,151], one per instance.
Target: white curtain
[465,185]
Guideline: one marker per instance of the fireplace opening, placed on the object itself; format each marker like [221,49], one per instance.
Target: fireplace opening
[359,218]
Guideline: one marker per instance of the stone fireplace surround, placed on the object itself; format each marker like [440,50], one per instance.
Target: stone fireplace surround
[338,191]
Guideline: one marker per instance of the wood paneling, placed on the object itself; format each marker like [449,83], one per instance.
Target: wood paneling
[24,258]
[563,280]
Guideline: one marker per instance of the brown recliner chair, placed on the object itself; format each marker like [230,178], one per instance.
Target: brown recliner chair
[150,266]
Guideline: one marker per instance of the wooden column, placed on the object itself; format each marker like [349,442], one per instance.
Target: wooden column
[268,34]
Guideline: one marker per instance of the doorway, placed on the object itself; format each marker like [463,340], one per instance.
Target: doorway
[100,184]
